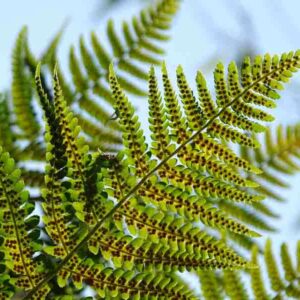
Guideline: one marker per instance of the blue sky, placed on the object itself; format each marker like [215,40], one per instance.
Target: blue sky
[275,28]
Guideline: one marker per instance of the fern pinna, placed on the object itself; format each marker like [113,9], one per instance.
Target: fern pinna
[124,225]
[229,284]
[278,155]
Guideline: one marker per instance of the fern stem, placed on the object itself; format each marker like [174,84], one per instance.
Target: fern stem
[138,185]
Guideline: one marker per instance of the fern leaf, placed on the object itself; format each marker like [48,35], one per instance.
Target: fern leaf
[290,272]
[17,244]
[135,253]
[22,91]
[257,284]
[133,137]
[187,98]
[64,125]
[101,54]
[278,155]
[263,286]
[246,216]
[280,288]
[49,54]
[157,119]
[109,282]
[234,286]
[163,230]
[7,136]
[209,285]
[172,231]
[91,82]
[272,268]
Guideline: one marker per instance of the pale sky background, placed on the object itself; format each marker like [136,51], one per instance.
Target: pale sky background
[275,29]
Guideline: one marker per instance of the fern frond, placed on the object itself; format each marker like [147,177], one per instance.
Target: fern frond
[126,118]
[90,86]
[241,241]
[271,285]
[49,54]
[70,155]
[245,215]
[7,136]
[162,228]
[279,155]
[119,283]
[135,253]
[209,285]
[22,90]
[17,240]
[234,286]
[281,288]
[166,229]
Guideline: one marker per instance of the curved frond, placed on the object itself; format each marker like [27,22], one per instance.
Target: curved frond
[17,234]
[137,47]
[22,92]
[278,156]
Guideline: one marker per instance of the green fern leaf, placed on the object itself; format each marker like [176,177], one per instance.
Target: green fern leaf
[22,91]
[278,155]
[209,285]
[263,286]
[17,243]
[7,136]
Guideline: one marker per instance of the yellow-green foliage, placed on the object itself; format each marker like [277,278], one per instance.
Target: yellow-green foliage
[88,93]
[139,45]
[276,278]
[278,155]
[125,224]
[18,245]
[118,220]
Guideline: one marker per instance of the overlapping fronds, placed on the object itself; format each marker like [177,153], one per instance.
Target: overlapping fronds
[115,222]
[276,278]
[207,169]
[278,156]
[88,95]
[63,189]
[137,47]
